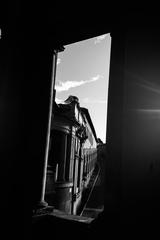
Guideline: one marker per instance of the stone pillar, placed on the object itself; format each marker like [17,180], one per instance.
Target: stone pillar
[41,80]
[63,198]
[52,96]
[41,107]
[63,185]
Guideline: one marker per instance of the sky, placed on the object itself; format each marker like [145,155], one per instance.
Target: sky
[83,71]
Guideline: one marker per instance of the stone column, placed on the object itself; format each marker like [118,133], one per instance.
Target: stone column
[52,96]
[42,70]
[63,185]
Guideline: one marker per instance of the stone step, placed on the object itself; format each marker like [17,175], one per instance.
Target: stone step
[92,212]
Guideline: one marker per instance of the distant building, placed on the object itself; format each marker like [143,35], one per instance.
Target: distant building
[72,155]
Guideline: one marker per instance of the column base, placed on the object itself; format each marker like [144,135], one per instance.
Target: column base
[39,207]
[43,208]
[41,204]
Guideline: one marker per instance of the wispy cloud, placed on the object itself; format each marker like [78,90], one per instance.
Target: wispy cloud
[100,38]
[88,100]
[58,100]
[65,86]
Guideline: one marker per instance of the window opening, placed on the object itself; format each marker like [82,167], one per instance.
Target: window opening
[76,156]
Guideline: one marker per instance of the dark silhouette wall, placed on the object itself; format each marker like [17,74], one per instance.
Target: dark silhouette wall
[141,129]
[133,122]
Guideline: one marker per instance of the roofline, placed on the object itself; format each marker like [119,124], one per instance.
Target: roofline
[85,110]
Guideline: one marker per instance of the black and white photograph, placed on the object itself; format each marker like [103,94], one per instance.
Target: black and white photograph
[79,121]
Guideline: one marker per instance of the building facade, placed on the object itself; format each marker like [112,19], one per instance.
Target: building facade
[72,155]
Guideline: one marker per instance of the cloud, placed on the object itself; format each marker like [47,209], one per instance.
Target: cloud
[58,61]
[88,100]
[58,100]
[100,38]
[65,86]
